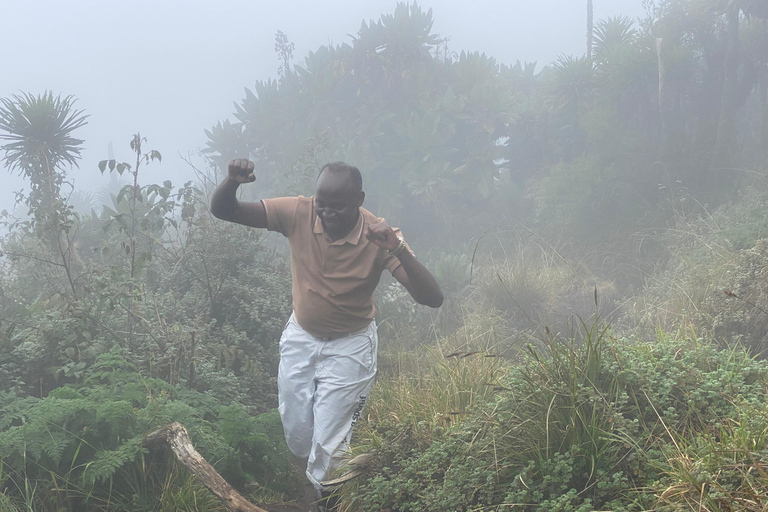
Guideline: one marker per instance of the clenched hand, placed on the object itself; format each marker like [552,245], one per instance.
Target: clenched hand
[241,170]
[381,234]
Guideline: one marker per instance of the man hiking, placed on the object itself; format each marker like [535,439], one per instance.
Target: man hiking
[328,348]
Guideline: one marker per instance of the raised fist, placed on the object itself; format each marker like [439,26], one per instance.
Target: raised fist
[241,170]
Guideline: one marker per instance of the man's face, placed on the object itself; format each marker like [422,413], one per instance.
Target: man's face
[337,202]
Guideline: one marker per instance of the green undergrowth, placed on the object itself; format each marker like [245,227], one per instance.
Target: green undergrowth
[442,381]
[712,277]
[582,424]
[80,447]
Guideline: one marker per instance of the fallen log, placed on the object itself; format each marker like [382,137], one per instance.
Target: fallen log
[175,437]
[355,468]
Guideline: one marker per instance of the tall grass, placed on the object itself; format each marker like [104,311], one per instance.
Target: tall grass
[535,286]
[584,422]
[6,505]
[724,470]
[439,383]
[711,276]
[569,402]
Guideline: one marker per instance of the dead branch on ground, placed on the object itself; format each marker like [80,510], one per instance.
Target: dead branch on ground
[175,437]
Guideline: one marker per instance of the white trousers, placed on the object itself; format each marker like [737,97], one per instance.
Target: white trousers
[323,386]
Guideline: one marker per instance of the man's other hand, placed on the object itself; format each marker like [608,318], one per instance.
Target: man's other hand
[382,235]
[241,170]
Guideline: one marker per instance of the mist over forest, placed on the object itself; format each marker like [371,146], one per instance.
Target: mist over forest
[597,224]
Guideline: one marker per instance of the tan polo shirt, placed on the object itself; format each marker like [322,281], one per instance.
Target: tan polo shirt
[333,282]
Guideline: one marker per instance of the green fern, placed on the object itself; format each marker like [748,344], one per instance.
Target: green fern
[87,438]
[106,462]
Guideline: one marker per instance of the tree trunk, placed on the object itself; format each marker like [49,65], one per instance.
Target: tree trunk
[726,127]
[662,88]
[763,89]
[175,437]
[590,30]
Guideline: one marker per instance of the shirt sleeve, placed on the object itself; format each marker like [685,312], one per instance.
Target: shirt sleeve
[281,214]
[391,263]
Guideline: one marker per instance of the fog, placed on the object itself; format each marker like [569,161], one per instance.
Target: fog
[586,308]
[172,69]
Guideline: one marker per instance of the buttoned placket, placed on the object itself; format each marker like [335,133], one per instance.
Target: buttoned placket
[327,252]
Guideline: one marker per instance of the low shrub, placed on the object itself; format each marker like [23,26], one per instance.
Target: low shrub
[81,446]
[586,423]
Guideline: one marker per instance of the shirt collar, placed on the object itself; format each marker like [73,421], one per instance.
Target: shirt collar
[353,237]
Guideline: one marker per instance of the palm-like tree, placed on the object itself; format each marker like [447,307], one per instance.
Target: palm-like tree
[611,34]
[38,135]
[570,82]
[39,131]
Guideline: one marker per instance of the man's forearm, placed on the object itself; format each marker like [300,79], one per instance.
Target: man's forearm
[224,202]
[423,285]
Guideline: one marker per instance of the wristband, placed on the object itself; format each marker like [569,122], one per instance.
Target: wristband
[397,250]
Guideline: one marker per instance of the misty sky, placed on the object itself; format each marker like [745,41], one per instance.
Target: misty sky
[171,69]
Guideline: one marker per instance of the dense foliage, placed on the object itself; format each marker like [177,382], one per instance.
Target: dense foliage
[589,149]
[588,424]
[119,321]
[87,438]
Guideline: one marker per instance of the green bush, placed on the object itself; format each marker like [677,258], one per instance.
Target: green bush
[85,441]
[583,424]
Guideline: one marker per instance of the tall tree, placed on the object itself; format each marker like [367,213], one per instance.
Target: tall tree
[39,142]
[742,70]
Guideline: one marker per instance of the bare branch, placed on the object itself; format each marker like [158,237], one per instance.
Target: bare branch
[175,437]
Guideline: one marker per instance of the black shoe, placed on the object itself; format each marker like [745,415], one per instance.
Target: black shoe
[326,502]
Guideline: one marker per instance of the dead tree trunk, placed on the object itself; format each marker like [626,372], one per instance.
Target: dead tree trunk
[175,437]
[662,88]
[590,30]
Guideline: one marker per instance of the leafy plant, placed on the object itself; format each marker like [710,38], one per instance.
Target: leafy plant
[88,439]
[589,423]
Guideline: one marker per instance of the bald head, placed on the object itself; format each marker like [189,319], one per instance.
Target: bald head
[344,172]
[338,198]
